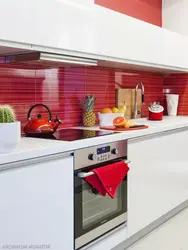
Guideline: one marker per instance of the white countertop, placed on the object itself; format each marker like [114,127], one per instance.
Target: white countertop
[30,148]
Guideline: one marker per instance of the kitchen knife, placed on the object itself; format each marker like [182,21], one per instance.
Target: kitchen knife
[137,126]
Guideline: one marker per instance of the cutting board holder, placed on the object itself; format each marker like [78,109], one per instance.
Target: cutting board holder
[128,96]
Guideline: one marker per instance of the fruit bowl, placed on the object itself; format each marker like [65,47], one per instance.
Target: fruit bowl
[107,119]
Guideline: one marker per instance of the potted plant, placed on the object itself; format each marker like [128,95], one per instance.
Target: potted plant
[10,129]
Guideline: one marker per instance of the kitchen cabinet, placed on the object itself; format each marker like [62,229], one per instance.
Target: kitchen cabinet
[171,235]
[12,48]
[36,205]
[54,24]
[91,31]
[157,180]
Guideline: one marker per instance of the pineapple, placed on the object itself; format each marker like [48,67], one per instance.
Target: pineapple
[89,117]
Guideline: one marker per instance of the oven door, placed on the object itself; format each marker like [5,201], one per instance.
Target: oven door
[95,214]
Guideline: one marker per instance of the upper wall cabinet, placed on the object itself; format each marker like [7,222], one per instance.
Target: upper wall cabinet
[69,27]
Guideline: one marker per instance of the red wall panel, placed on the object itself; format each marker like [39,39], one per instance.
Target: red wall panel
[147,10]
[63,89]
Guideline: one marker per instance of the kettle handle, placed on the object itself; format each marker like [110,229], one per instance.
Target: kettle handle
[37,105]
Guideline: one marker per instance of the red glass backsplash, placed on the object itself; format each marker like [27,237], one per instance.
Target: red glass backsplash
[63,89]
[146,10]
[178,84]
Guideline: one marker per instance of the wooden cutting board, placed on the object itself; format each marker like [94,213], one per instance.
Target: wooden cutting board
[128,96]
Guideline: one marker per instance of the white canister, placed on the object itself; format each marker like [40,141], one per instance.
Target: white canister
[172,104]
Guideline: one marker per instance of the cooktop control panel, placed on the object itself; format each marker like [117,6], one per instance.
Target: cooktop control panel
[99,154]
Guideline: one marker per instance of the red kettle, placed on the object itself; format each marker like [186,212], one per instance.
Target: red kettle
[41,126]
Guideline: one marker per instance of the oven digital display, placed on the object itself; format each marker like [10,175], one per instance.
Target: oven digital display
[103,150]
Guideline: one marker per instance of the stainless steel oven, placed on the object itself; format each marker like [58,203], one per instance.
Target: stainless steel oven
[95,215]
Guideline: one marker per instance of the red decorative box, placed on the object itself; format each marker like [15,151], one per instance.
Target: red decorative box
[156,112]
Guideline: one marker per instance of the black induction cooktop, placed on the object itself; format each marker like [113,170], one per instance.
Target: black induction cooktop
[71,134]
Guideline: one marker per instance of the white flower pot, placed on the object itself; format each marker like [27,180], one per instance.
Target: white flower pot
[10,136]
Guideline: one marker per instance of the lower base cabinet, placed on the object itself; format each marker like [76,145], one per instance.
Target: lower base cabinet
[36,206]
[170,236]
[158,177]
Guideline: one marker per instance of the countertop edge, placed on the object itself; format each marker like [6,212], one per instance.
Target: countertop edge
[42,148]
[152,135]
[151,227]
[29,162]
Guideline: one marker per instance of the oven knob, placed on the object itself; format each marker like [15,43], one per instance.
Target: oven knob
[115,151]
[92,157]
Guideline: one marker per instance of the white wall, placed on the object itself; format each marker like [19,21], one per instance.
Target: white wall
[175,16]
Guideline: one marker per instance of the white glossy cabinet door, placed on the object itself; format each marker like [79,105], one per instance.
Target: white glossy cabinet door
[170,236]
[89,30]
[157,180]
[36,205]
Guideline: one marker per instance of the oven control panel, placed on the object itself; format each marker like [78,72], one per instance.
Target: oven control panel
[103,154]
[103,157]
[94,155]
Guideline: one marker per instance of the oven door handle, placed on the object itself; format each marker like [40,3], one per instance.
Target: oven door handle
[84,174]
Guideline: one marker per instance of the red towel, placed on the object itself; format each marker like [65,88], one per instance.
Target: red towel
[107,179]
